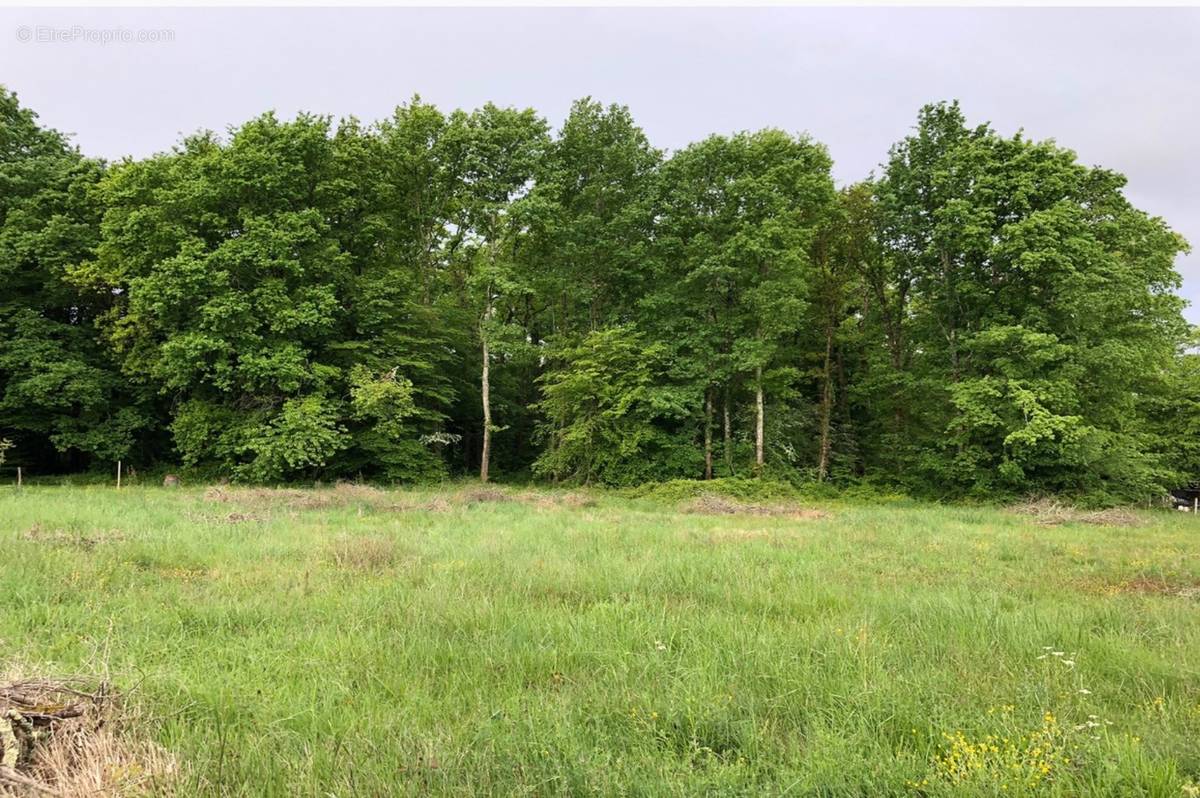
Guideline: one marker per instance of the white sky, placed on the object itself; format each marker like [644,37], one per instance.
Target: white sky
[1119,86]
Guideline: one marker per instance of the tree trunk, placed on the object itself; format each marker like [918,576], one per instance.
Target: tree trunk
[951,327]
[826,405]
[708,430]
[728,435]
[485,395]
[758,422]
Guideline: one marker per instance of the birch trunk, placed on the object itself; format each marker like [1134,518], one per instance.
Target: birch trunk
[758,422]
[826,406]
[708,434]
[485,394]
[728,436]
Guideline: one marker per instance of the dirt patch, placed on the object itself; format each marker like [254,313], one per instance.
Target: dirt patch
[711,504]
[71,538]
[73,738]
[1149,586]
[1050,512]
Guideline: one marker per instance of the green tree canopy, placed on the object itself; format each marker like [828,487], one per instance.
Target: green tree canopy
[61,397]
[468,292]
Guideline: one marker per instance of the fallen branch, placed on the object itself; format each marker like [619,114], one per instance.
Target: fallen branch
[10,746]
[10,777]
[65,737]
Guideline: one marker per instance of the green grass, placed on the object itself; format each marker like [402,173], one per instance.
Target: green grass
[347,642]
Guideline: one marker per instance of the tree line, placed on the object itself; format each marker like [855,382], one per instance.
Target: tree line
[473,293]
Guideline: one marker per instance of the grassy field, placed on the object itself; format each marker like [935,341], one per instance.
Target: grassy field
[349,641]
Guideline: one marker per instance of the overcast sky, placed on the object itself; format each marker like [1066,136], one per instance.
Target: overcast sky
[1119,86]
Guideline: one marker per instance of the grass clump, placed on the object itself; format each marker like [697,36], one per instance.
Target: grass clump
[713,504]
[362,553]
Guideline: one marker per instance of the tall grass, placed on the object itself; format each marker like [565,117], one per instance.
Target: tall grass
[360,642]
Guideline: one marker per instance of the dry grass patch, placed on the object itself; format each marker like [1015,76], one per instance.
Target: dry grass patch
[258,496]
[1051,512]
[340,495]
[775,537]
[362,553]
[1146,586]
[575,500]
[438,504]
[71,538]
[73,738]
[485,495]
[226,518]
[711,504]
[345,493]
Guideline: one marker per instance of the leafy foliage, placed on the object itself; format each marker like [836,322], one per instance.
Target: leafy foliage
[442,293]
[1037,306]
[610,418]
[61,398]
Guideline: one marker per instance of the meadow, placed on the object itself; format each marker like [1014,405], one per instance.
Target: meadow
[458,641]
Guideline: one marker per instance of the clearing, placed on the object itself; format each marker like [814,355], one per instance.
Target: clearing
[457,641]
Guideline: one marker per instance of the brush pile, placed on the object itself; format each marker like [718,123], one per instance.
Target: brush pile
[61,737]
[1051,512]
[714,504]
